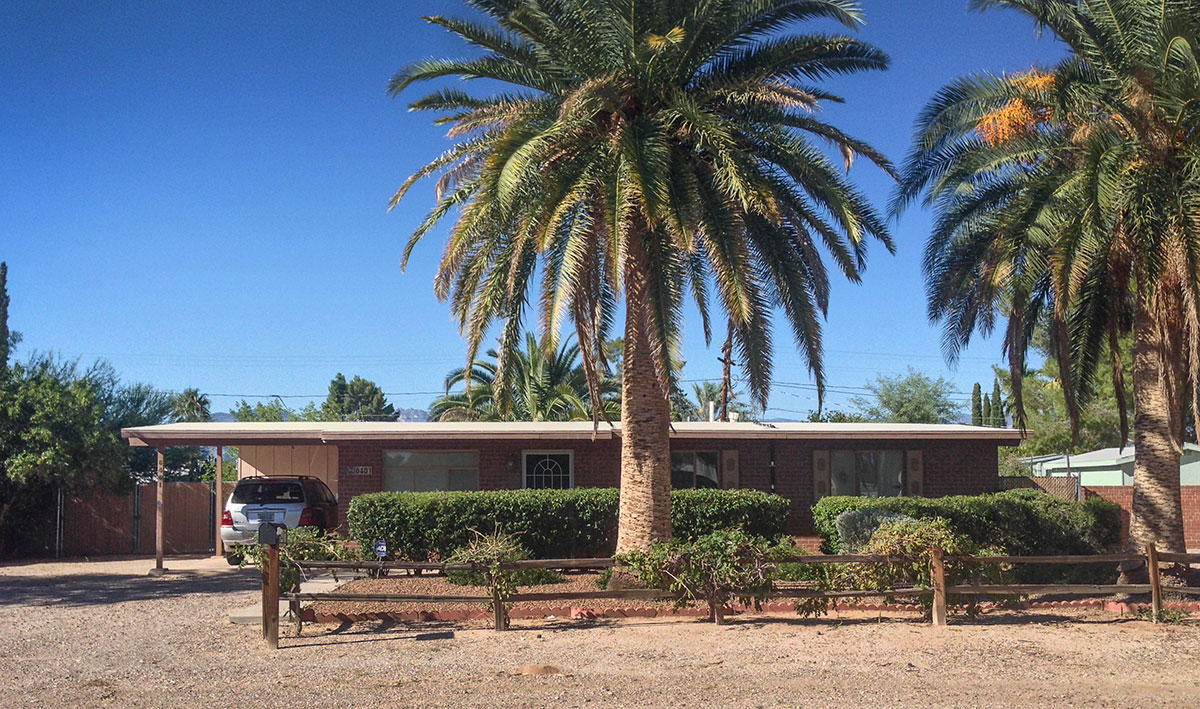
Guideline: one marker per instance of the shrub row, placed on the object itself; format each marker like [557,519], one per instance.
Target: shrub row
[551,524]
[1016,522]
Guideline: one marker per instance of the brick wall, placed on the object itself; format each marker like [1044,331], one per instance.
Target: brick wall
[951,467]
[1123,496]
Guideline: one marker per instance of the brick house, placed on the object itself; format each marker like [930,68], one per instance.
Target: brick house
[801,461]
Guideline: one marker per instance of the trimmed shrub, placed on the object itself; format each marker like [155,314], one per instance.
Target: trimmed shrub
[855,527]
[696,513]
[551,524]
[1017,522]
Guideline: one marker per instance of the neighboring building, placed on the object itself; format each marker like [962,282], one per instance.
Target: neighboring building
[1108,473]
[1111,466]
[801,461]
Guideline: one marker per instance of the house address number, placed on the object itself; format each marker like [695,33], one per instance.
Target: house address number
[358,470]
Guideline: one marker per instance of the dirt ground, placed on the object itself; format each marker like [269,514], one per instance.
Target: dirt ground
[103,634]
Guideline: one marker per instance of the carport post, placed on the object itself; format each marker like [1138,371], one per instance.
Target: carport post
[158,569]
[218,546]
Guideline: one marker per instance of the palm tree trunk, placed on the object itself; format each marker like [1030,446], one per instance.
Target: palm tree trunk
[1157,509]
[645,507]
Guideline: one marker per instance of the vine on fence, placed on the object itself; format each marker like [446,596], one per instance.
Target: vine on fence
[303,544]
[489,552]
[714,568]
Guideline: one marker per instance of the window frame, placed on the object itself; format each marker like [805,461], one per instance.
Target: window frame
[694,452]
[448,469]
[902,452]
[525,453]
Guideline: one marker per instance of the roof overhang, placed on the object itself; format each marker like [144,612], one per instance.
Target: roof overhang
[318,433]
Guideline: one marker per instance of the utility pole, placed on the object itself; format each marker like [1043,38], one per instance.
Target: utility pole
[726,359]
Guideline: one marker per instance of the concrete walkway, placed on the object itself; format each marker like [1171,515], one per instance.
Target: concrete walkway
[252,614]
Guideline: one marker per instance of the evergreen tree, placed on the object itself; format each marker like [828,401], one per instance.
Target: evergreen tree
[987,410]
[977,405]
[997,412]
[8,338]
[357,400]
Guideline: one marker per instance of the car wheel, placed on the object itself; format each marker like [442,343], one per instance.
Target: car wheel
[233,558]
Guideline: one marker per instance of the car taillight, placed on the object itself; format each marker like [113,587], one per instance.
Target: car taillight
[226,519]
[308,517]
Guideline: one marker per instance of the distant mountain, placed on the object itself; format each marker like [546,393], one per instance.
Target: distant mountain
[223,417]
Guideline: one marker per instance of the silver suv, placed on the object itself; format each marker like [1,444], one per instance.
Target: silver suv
[294,500]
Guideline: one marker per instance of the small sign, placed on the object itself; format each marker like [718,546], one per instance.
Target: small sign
[358,470]
[381,548]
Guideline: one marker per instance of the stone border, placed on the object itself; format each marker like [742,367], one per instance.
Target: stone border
[307,615]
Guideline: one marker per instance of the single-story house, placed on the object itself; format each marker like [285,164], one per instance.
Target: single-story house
[801,461]
[1113,466]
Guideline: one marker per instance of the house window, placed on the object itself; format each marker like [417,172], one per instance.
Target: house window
[428,471]
[695,469]
[549,470]
[867,473]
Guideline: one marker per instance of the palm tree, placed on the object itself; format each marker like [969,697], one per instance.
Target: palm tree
[645,150]
[191,405]
[1071,197]
[542,388]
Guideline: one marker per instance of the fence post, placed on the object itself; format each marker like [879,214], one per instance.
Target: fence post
[1155,584]
[937,575]
[294,609]
[270,611]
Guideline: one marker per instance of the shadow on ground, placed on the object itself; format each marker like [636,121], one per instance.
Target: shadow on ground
[102,589]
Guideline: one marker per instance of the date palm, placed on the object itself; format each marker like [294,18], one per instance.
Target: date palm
[543,388]
[191,405]
[645,152]
[1071,197]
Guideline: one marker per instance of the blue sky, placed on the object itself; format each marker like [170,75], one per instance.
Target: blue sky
[197,192]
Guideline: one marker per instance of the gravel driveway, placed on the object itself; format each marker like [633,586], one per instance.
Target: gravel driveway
[102,633]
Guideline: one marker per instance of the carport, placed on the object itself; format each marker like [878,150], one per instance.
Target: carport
[266,440]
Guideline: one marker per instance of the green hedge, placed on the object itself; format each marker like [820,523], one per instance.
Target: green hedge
[552,524]
[1017,522]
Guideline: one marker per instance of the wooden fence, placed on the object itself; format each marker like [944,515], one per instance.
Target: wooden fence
[938,588]
[96,523]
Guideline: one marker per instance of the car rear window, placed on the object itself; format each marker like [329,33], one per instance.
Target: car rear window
[261,493]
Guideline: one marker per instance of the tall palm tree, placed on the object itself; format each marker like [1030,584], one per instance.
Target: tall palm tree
[543,388]
[1071,197]
[191,405]
[645,150]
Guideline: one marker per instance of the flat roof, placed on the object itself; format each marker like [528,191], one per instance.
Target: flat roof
[310,432]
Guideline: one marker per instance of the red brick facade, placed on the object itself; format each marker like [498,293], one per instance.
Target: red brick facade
[951,467]
[1123,496]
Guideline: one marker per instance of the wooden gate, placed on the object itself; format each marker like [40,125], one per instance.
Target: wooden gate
[101,523]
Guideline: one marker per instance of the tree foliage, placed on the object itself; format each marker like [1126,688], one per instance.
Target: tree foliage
[8,338]
[53,435]
[1066,194]
[543,387]
[357,400]
[682,134]
[909,398]
[191,405]
[1047,423]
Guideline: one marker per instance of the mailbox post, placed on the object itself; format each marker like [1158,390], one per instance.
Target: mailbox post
[271,535]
